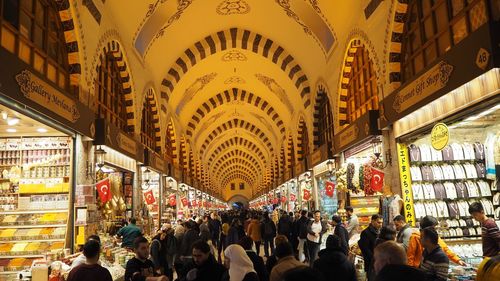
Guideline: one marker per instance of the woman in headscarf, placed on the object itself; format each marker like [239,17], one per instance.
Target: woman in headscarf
[239,264]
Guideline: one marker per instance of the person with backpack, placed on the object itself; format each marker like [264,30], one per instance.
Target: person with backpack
[285,226]
[158,250]
[268,233]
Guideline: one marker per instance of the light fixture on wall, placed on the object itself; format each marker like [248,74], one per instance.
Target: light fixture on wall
[170,183]
[99,155]
[330,165]
[377,151]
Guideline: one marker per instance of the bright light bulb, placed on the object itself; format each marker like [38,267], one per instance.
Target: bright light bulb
[11,130]
[41,130]
[13,121]
[4,115]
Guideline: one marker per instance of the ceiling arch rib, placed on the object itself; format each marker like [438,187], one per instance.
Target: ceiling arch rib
[237,39]
[235,175]
[234,96]
[238,124]
[239,167]
[238,153]
[237,142]
[241,161]
[209,152]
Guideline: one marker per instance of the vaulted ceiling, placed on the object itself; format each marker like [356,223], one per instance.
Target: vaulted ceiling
[236,75]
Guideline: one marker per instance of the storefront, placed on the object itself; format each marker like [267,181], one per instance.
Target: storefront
[41,128]
[446,124]
[360,178]
[325,182]
[153,183]
[117,156]
[170,207]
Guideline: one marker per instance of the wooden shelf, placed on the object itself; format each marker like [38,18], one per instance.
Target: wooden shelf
[30,240]
[21,212]
[33,226]
[23,256]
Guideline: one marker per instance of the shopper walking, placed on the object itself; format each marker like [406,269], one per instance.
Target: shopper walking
[352,221]
[268,231]
[390,264]
[239,264]
[302,223]
[258,263]
[233,235]
[215,228]
[273,260]
[159,253]
[140,268]
[332,261]
[490,234]
[435,263]
[254,231]
[315,230]
[91,269]
[404,231]
[367,240]
[285,226]
[341,232]
[204,267]
[286,261]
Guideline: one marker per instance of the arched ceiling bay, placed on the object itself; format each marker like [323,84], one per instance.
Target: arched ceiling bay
[234,74]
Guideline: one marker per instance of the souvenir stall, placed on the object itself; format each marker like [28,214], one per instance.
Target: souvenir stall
[329,197]
[361,174]
[183,212]
[41,129]
[293,203]
[447,132]
[169,212]
[153,182]
[305,191]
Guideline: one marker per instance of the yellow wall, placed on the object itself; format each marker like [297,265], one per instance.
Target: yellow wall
[227,193]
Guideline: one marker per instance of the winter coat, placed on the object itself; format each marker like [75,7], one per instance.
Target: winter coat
[285,226]
[366,244]
[232,236]
[254,230]
[271,225]
[188,240]
[342,233]
[258,265]
[333,262]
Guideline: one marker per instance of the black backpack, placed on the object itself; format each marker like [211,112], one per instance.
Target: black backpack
[268,228]
[303,228]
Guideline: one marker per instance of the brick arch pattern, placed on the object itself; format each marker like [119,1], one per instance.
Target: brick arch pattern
[236,175]
[395,45]
[70,36]
[242,39]
[238,154]
[170,141]
[302,134]
[229,96]
[151,100]
[237,141]
[344,82]
[236,123]
[245,163]
[235,166]
[290,153]
[114,48]
[183,157]
[320,95]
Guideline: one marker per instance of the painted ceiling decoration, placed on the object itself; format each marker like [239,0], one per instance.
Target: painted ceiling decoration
[234,80]
[192,90]
[231,7]
[247,158]
[237,39]
[234,55]
[274,87]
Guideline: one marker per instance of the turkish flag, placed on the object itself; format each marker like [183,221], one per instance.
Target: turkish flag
[307,194]
[104,190]
[283,199]
[275,201]
[293,197]
[377,181]
[150,198]
[194,203]
[172,200]
[329,188]
[184,201]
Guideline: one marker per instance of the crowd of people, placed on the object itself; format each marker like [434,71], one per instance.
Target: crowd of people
[227,246]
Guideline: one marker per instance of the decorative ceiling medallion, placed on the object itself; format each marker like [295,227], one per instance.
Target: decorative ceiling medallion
[274,87]
[232,7]
[192,90]
[234,55]
[235,80]
[209,122]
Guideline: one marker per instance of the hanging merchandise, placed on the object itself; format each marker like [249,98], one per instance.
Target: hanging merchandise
[293,197]
[350,176]
[184,202]
[367,177]
[341,175]
[283,199]
[306,194]
[172,201]
[104,191]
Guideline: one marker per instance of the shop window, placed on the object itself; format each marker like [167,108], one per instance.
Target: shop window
[148,135]
[433,27]
[32,30]
[242,186]
[325,121]
[109,91]
[362,93]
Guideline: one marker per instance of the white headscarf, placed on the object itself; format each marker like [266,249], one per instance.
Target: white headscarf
[240,263]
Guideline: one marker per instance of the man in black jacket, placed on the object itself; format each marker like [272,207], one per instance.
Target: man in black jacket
[258,263]
[390,264]
[140,268]
[315,230]
[302,229]
[333,262]
[366,242]
[341,232]
[268,231]
[215,226]
[204,266]
[285,226]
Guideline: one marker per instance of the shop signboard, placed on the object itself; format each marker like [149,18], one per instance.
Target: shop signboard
[299,168]
[153,160]
[319,155]
[21,83]
[406,189]
[109,135]
[453,69]
[364,127]
[440,136]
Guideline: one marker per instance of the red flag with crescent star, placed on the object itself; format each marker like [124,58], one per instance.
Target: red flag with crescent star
[377,181]
[104,190]
[283,199]
[149,197]
[184,201]
[329,188]
[172,200]
[307,194]
[293,197]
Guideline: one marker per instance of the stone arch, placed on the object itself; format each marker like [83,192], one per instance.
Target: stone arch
[396,40]
[303,143]
[170,142]
[150,98]
[242,39]
[68,26]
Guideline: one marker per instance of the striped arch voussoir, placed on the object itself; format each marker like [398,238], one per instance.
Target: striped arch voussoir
[171,136]
[320,95]
[395,48]
[241,39]
[70,36]
[151,100]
